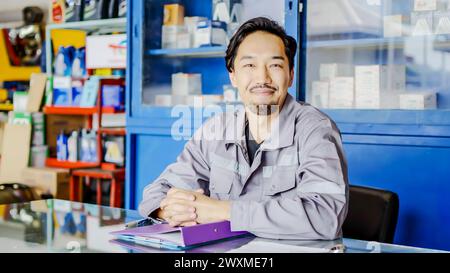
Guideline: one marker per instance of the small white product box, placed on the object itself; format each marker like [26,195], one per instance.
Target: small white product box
[191,24]
[377,86]
[320,94]
[421,23]
[425,5]
[186,84]
[341,92]
[210,33]
[395,25]
[441,22]
[163,100]
[418,100]
[328,71]
[170,35]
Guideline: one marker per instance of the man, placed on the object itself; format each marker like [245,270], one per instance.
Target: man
[275,169]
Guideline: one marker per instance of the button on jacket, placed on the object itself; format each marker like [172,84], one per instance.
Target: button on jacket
[296,187]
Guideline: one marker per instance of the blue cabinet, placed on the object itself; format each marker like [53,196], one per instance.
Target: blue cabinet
[154,134]
[389,142]
[404,150]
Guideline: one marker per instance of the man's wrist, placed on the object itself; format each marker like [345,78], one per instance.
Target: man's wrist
[225,210]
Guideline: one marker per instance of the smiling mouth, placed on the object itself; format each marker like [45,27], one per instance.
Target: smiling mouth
[263,91]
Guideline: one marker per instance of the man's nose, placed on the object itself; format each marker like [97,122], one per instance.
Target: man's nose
[262,75]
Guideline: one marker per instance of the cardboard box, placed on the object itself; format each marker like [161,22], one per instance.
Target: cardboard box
[421,23]
[341,93]
[37,87]
[418,100]
[48,181]
[320,94]
[328,71]
[395,25]
[16,151]
[57,123]
[173,15]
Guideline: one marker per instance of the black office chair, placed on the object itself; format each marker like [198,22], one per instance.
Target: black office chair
[16,193]
[372,214]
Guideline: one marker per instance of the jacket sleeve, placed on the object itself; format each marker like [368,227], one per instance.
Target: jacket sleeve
[318,208]
[189,172]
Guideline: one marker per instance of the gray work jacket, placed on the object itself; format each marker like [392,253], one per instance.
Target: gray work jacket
[296,187]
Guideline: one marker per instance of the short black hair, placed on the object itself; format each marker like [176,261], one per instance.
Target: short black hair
[260,24]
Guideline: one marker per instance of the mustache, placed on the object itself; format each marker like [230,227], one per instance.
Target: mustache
[267,86]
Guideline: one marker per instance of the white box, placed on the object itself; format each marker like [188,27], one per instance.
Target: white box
[186,84]
[425,5]
[329,71]
[191,25]
[377,86]
[203,100]
[418,100]
[320,94]
[106,51]
[163,100]
[394,25]
[421,23]
[442,22]
[183,40]
[170,34]
[210,33]
[341,92]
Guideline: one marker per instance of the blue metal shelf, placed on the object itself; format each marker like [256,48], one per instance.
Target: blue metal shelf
[361,43]
[201,52]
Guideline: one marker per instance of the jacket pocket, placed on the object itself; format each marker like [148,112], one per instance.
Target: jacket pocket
[279,179]
[220,182]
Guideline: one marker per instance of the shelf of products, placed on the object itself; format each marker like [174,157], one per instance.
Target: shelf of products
[397,62]
[205,52]
[54,163]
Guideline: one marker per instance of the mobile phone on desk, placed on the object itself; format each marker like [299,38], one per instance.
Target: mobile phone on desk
[145,222]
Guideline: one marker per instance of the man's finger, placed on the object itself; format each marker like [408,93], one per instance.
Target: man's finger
[188,224]
[184,196]
[181,208]
[186,217]
[201,191]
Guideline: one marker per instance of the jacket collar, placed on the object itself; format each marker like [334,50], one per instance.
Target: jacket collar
[283,128]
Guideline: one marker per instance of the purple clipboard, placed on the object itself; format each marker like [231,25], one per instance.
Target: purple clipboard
[186,236]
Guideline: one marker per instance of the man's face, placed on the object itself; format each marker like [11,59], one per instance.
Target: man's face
[261,70]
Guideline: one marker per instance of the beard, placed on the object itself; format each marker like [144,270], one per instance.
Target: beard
[263,109]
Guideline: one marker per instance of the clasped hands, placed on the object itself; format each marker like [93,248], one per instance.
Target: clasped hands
[187,208]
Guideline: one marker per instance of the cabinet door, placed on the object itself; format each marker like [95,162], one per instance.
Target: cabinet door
[154,62]
[366,54]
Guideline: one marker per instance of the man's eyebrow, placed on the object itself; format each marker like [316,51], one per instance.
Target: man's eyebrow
[246,57]
[278,58]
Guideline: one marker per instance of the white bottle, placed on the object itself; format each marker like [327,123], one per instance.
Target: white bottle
[72,145]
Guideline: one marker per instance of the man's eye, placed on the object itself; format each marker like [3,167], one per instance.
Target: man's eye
[276,65]
[249,65]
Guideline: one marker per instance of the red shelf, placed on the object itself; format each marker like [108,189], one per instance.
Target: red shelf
[54,163]
[113,131]
[111,110]
[59,110]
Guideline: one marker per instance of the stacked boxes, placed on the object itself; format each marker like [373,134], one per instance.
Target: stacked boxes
[418,100]
[341,92]
[378,86]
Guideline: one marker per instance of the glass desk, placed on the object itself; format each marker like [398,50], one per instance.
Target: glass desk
[62,226]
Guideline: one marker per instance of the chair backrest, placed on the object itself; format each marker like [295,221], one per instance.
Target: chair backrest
[16,193]
[372,214]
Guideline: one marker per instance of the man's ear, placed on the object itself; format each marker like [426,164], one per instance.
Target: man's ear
[232,76]
[291,77]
